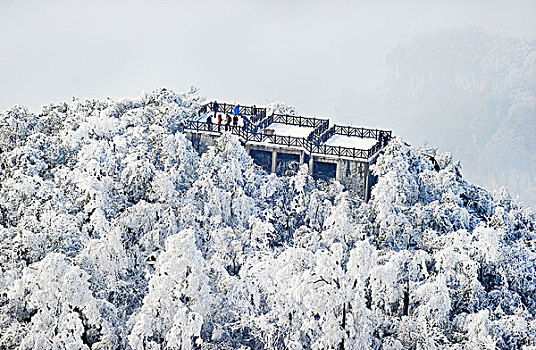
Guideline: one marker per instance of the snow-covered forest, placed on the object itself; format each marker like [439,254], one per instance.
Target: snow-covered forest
[115,233]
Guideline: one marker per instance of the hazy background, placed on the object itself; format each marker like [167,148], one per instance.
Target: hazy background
[375,63]
[304,52]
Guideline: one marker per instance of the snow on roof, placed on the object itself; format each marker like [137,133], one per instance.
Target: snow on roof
[290,130]
[351,142]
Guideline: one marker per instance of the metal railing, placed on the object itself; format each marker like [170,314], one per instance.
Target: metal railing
[254,113]
[289,141]
[201,126]
[314,143]
[318,125]
[309,122]
[318,131]
[341,151]
[382,136]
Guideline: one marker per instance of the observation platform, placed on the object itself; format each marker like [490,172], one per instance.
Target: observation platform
[279,143]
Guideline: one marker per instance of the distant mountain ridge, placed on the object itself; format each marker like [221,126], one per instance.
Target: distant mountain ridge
[468,92]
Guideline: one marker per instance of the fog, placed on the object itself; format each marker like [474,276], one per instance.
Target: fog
[336,59]
[307,53]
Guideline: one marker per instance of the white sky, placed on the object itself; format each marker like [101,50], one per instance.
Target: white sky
[305,53]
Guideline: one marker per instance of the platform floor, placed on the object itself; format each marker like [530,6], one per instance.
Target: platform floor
[351,142]
[290,130]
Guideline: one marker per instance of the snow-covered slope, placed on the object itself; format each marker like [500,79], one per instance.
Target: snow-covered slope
[114,233]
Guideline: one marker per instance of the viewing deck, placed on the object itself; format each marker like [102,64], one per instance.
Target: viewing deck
[278,142]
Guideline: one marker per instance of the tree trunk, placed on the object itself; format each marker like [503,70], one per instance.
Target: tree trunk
[343,325]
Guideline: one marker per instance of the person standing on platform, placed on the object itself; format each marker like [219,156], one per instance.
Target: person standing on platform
[209,122]
[235,120]
[236,110]
[215,108]
[219,122]
[227,122]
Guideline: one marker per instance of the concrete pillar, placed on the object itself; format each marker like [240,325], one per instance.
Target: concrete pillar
[274,161]
[366,175]
[338,170]
[302,156]
[311,165]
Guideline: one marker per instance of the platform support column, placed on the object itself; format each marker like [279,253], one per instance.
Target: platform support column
[366,189]
[301,157]
[311,165]
[338,170]
[274,160]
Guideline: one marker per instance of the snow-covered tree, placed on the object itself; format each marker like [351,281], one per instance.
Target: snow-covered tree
[178,300]
[53,303]
[115,233]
